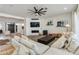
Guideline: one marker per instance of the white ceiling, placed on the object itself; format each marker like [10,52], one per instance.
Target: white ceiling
[21,10]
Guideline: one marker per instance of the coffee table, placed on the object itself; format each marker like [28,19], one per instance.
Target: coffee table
[46,40]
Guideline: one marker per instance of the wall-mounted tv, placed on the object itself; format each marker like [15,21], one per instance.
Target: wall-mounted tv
[34,24]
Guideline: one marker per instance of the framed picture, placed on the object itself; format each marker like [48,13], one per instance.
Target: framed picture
[50,23]
[60,24]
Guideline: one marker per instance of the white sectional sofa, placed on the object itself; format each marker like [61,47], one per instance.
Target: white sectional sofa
[29,47]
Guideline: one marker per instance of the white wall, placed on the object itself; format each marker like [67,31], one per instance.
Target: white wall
[2,26]
[52,28]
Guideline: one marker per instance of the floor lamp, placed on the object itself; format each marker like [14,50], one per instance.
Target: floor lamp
[67,27]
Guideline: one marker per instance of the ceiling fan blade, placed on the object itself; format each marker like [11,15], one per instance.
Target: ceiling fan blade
[39,14]
[31,10]
[32,13]
[35,9]
[40,9]
[43,11]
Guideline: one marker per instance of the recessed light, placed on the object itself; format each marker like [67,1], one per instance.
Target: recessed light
[11,5]
[65,8]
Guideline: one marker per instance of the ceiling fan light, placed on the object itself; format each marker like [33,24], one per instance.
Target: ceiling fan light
[36,14]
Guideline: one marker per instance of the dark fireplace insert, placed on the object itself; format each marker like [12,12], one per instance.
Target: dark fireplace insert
[35,31]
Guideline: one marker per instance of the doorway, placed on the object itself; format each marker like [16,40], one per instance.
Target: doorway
[11,28]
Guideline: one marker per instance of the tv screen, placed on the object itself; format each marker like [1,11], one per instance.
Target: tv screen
[34,24]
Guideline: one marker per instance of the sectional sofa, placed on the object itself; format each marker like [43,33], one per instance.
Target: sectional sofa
[26,46]
[63,46]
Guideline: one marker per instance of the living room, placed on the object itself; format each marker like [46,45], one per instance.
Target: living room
[38,29]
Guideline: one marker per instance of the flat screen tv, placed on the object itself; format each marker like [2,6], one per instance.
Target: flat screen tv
[34,24]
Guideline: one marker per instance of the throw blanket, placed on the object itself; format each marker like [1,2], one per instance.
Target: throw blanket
[6,49]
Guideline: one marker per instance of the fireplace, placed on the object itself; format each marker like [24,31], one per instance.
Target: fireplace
[35,31]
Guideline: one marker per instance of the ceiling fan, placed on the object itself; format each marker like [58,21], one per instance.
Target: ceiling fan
[37,11]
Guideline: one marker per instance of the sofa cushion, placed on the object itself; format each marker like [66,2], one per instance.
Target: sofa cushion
[24,37]
[59,43]
[36,49]
[35,46]
[56,51]
[17,38]
[68,34]
[21,49]
[39,48]
[77,51]
[26,43]
[32,52]
[73,46]
[73,43]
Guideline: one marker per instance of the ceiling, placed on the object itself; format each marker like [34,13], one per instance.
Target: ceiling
[21,10]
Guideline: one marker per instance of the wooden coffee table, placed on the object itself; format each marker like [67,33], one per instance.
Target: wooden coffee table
[46,40]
